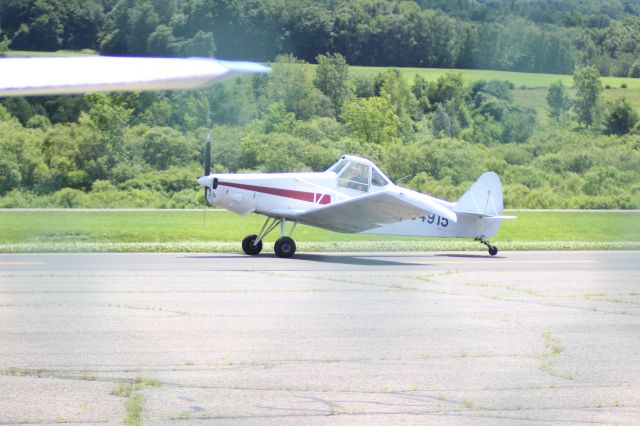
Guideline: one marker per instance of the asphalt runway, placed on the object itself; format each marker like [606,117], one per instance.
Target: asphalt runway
[350,338]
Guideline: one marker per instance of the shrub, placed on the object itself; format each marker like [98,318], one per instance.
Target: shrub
[622,118]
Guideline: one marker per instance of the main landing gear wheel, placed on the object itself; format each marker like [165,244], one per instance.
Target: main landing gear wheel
[284,247]
[249,247]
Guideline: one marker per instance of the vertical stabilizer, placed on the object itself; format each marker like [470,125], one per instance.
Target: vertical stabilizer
[484,202]
[484,198]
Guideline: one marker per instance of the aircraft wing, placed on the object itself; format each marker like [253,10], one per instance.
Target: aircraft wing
[82,74]
[371,211]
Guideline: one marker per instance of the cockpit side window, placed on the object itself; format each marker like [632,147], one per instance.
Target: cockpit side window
[377,179]
[355,176]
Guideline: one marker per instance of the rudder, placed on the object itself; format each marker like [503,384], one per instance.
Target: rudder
[484,198]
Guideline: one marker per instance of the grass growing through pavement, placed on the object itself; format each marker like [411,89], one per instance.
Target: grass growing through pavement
[190,230]
[135,400]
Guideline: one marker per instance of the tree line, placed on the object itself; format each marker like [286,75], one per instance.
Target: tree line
[437,136]
[517,35]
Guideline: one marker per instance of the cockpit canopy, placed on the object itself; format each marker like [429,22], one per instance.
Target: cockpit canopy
[358,173]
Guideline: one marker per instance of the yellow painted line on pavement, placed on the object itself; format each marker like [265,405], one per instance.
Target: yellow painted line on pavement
[20,262]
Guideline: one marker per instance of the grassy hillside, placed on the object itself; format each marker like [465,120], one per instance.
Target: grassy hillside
[530,88]
[519,79]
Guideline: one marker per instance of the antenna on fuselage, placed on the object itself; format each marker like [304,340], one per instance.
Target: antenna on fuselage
[402,178]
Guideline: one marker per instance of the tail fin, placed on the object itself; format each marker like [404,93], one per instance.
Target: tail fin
[484,198]
[484,201]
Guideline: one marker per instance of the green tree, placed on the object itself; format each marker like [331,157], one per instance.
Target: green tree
[201,44]
[622,118]
[450,86]
[4,44]
[161,41]
[518,124]
[164,147]
[420,90]
[111,116]
[332,78]
[292,84]
[558,102]
[372,120]
[588,87]
[634,70]
[445,121]
[396,87]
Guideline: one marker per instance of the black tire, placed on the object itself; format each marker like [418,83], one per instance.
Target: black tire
[249,248]
[493,250]
[284,247]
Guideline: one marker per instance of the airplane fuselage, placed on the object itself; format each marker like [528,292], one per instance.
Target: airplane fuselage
[280,194]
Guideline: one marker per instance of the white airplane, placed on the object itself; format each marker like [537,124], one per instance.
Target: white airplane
[352,196]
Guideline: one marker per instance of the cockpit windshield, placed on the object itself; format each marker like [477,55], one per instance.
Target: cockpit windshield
[358,173]
[337,167]
[355,176]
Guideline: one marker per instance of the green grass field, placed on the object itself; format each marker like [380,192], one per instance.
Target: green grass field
[519,79]
[530,88]
[22,53]
[68,230]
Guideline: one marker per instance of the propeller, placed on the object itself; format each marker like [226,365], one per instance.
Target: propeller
[207,164]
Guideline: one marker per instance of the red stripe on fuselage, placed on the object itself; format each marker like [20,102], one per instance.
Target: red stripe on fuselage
[310,197]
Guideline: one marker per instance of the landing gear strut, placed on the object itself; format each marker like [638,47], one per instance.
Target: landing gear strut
[283,247]
[493,250]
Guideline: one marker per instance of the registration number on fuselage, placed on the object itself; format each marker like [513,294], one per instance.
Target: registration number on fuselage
[433,219]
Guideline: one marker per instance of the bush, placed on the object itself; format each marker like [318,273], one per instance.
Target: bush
[69,198]
[622,118]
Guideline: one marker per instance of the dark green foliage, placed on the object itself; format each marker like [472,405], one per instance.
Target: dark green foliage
[622,118]
[558,100]
[163,147]
[291,84]
[4,44]
[372,120]
[519,124]
[588,87]
[450,86]
[553,37]
[332,78]
[634,70]
[445,120]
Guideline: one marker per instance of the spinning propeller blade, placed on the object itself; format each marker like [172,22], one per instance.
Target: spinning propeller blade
[83,74]
[207,163]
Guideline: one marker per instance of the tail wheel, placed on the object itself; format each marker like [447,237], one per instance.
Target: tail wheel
[249,246]
[284,247]
[493,250]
